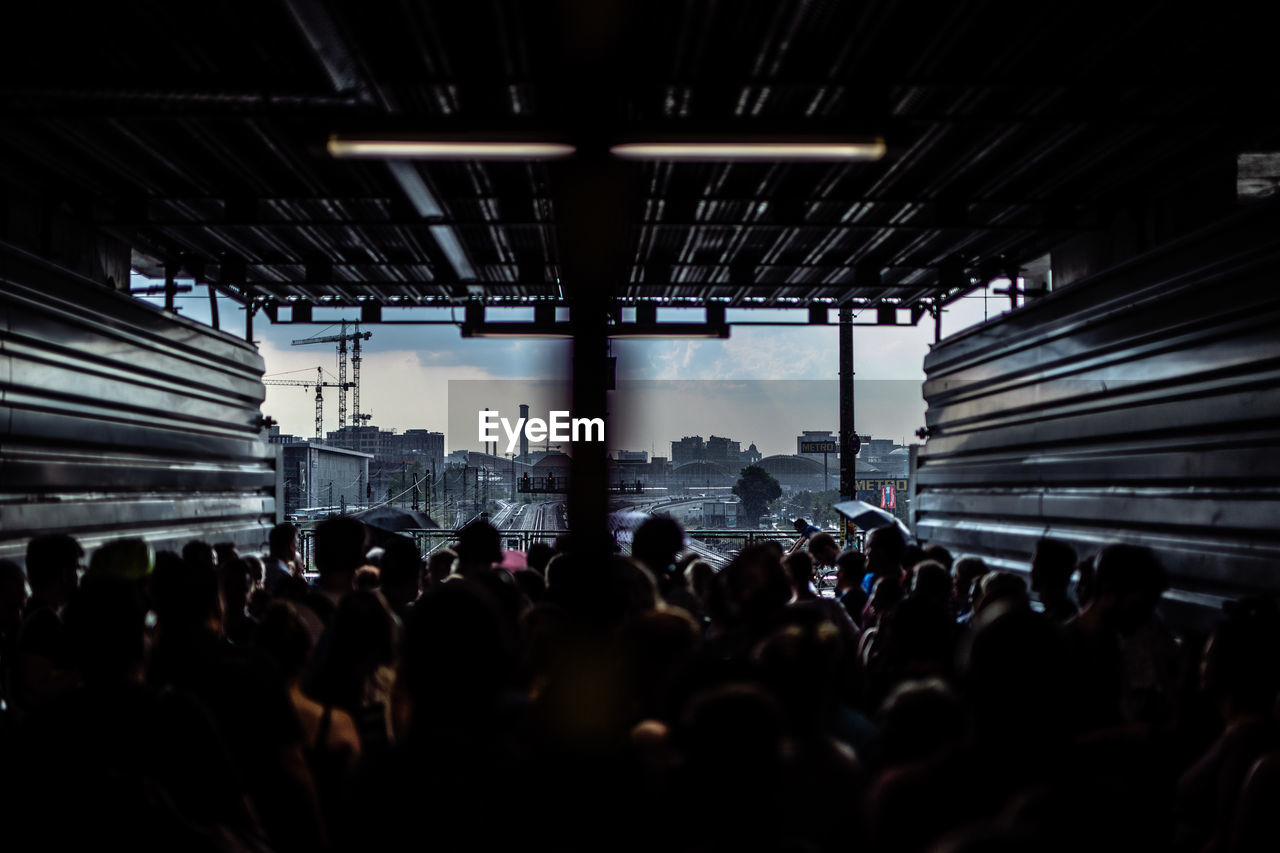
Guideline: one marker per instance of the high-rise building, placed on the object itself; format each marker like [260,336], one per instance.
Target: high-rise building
[688,449]
[721,449]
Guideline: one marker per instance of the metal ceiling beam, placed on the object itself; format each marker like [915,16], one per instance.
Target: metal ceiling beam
[879,225]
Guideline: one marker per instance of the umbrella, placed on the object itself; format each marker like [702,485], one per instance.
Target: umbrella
[390,519]
[869,517]
[513,561]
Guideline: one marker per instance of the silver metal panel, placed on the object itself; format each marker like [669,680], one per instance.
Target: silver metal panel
[1140,405]
[117,419]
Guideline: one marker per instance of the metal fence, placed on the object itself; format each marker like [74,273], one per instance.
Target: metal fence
[717,546]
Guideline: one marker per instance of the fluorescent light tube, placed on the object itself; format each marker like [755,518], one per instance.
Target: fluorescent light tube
[767,151]
[410,148]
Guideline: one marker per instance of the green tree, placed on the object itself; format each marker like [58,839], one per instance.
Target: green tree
[756,487]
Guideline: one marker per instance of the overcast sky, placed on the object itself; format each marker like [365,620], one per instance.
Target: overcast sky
[406,372]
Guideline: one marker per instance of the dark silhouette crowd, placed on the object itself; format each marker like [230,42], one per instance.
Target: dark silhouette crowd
[216,700]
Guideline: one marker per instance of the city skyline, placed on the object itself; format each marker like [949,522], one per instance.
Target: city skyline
[407,371]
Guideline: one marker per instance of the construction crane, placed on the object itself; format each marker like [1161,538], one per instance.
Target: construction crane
[320,384]
[354,385]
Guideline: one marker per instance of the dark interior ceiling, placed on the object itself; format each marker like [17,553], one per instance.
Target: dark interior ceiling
[196,132]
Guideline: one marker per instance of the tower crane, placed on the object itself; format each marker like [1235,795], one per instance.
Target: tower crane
[341,339]
[320,384]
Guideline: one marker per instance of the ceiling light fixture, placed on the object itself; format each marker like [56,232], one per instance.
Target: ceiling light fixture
[428,148]
[867,149]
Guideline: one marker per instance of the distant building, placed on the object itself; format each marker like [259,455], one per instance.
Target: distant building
[688,449]
[721,449]
[274,436]
[717,448]
[364,439]
[424,443]
[719,514]
[317,475]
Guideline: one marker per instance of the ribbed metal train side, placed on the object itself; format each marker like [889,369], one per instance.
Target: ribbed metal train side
[1140,405]
[119,420]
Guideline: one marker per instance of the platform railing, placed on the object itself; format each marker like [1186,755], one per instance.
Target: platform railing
[723,541]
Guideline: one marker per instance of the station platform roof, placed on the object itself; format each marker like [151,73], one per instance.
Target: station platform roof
[210,138]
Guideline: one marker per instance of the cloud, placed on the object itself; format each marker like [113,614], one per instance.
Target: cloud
[396,387]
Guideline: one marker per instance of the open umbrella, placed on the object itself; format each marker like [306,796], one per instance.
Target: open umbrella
[869,517]
[391,519]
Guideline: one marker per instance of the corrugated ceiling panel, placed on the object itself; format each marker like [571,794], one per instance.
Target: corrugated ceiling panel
[116,420]
[1140,405]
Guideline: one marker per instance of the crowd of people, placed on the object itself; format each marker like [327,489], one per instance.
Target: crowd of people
[214,700]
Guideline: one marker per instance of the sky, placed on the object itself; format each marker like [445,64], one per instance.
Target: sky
[407,369]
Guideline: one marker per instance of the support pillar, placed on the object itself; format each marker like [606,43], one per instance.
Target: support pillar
[848,475]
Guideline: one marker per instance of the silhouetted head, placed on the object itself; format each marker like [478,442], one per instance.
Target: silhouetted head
[756,585]
[458,655]
[1051,568]
[479,546]
[400,570]
[1005,587]
[799,566]
[283,541]
[613,593]
[917,637]
[824,549]
[185,595]
[254,565]
[698,575]
[105,625]
[1013,670]
[940,554]
[885,546]
[964,573]
[930,580]
[800,525]
[201,552]
[235,582]
[656,544]
[1128,582]
[911,555]
[655,649]
[773,547]
[732,739]
[440,564]
[53,564]
[340,546]
[886,593]
[538,555]
[226,552]
[851,565]
[801,662]
[129,559]
[919,719]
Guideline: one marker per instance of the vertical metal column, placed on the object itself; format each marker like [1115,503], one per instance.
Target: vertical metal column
[848,476]
[592,203]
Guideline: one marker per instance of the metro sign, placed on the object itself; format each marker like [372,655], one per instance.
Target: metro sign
[817,447]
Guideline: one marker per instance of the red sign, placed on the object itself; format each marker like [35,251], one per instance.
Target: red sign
[887,496]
